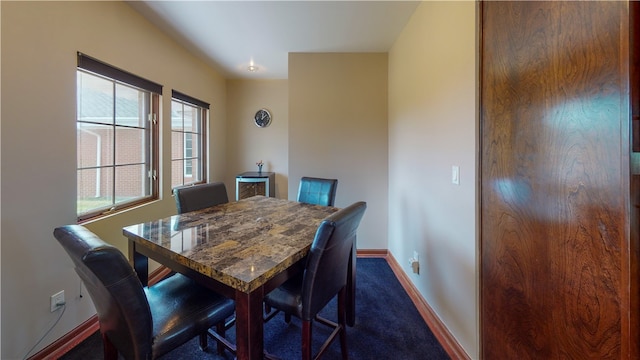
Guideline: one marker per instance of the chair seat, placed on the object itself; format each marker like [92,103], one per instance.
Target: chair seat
[197,308]
[287,297]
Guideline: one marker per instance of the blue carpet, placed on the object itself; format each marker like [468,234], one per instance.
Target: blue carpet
[388,326]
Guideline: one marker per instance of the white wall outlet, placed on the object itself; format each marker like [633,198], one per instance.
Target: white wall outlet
[56,300]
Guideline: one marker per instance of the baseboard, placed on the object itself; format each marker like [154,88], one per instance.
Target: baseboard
[61,346]
[372,253]
[446,339]
[68,341]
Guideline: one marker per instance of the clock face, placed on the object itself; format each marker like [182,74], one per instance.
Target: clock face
[262,118]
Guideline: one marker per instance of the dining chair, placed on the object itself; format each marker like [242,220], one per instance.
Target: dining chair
[136,321]
[319,191]
[200,196]
[324,276]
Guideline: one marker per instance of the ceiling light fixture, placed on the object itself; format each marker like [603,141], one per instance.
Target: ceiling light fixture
[252,68]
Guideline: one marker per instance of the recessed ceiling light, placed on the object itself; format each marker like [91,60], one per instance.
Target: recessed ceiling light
[252,68]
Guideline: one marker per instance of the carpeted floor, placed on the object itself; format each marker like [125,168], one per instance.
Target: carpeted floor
[388,326]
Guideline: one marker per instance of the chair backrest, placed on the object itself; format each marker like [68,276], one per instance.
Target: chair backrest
[327,263]
[116,292]
[317,191]
[201,196]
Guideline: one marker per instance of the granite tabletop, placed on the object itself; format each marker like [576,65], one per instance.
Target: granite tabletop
[241,244]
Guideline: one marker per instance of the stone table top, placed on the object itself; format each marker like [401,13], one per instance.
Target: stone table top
[241,244]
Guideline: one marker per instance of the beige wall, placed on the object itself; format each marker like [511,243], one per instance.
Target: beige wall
[247,143]
[338,129]
[39,45]
[432,126]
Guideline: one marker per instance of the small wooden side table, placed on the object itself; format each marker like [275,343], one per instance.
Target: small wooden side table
[253,183]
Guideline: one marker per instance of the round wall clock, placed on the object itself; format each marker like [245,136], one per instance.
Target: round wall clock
[262,118]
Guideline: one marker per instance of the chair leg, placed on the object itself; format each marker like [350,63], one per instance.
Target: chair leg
[220,329]
[110,351]
[203,341]
[306,339]
[218,336]
[342,322]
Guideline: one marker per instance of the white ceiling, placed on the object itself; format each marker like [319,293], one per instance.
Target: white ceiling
[231,35]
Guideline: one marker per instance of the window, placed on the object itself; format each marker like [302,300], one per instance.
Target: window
[117,139]
[188,141]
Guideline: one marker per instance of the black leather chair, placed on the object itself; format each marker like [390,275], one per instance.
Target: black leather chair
[324,276]
[142,322]
[317,191]
[200,196]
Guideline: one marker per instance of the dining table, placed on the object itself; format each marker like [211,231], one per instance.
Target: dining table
[241,249]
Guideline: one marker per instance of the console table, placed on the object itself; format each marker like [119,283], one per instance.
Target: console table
[253,183]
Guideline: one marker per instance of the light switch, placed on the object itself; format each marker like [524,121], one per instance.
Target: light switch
[455,175]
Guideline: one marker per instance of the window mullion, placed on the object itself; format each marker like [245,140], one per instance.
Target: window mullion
[113,147]
[154,105]
[184,144]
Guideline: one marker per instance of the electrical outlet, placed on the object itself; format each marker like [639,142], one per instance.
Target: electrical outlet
[415,263]
[57,298]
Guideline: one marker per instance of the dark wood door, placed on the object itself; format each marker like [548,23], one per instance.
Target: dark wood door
[555,258]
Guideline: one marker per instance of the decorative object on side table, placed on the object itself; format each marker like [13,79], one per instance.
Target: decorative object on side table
[260,163]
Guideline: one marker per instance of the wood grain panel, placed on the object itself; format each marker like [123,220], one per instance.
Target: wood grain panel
[634,35]
[554,183]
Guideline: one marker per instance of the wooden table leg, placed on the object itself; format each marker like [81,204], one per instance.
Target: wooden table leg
[249,329]
[351,289]
[140,263]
